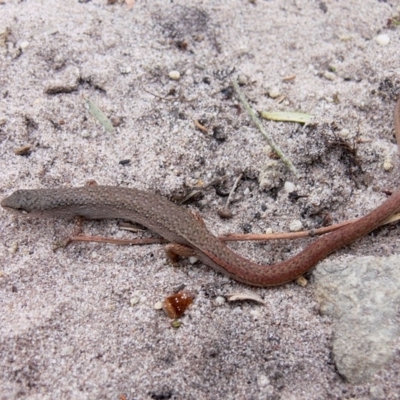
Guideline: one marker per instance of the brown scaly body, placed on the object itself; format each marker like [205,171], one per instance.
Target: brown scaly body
[179,226]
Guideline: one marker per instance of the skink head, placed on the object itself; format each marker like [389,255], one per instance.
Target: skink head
[20,202]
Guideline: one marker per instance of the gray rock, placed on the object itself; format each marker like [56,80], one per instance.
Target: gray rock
[362,295]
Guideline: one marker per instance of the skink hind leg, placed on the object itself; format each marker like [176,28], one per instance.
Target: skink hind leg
[175,250]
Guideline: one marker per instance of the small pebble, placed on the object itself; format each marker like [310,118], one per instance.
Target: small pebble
[255,313]
[193,260]
[329,75]
[263,380]
[219,300]
[382,40]
[14,247]
[23,150]
[345,38]
[67,350]
[59,61]
[94,254]
[344,133]
[158,305]
[242,80]
[387,166]
[23,45]
[225,213]
[302,281]
[175,75]
[246,191]
[133,301]
[295,226]
[274,93]
[289,187]
[125,70]
[270,175]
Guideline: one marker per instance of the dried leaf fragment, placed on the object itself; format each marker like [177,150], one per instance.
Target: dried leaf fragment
[100,116]
[240,296]
[176,304]
[23,151]
[287,116]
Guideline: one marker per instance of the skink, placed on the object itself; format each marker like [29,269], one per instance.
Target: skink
[180,227]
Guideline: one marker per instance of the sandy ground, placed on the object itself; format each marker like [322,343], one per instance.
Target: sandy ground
[80,323]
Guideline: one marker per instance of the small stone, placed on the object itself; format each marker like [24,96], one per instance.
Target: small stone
[67,350]
[13,248]
[59,61]
[133,301]
[301,281]
[175,75]
[219,300]
[289,187]
[94,255]
[225,213]
[246,191]
[2,120]
[344,133]
[387,165]
[23,45]
[295,226]
[270,175]
[242,80]
[255,313]
[158,305]
[263,380]
[274,92]
[125,69]
[23,150]
[346,38]
[329,75]
[85,133]
[382,40]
